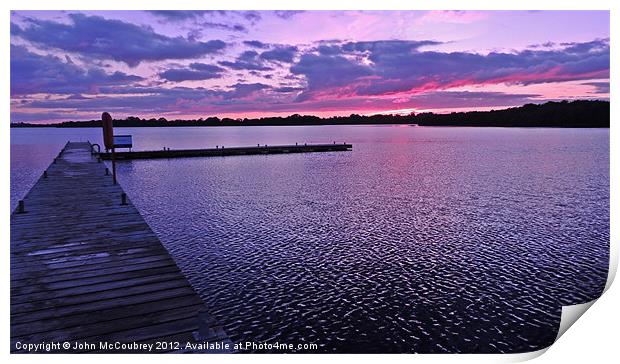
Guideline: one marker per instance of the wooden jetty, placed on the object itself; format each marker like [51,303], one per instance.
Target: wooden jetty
[87,268]
[226,151]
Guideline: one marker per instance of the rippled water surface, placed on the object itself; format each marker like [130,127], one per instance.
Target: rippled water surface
[419,240]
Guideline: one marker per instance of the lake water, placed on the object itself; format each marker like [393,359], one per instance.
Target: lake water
[419,240]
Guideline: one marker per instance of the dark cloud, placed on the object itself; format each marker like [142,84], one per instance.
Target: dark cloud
[179,15]
[52,116]
[32,73]
[97,37]
[287,14]
[373,47]
[287,89]
[256,44]
[154,99]
[599,87]
[543,45]
[283,54]
[252,15]
[241,90]
[198,19]
[329,72]
[247,60]
[222,26]
[195,71]
[329,50]
[134,98]
[464,99]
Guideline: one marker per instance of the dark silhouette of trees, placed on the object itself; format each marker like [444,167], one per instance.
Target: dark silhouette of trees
[564,114]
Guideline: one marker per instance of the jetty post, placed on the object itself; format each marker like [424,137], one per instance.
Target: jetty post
[108,139]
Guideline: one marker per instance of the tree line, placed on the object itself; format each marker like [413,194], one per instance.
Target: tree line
[563,114]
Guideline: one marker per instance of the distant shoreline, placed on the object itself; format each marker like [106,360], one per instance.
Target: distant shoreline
[47,126]
[564,114]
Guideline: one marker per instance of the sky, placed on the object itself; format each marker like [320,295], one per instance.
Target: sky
[73,65]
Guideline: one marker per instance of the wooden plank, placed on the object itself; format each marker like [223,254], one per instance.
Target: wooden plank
[96,280]
[91,298]
[122,312]
[85,251]
[142,261]
[98,308]
[85,267]
[99,290]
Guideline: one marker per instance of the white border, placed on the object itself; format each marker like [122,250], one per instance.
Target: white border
[592,338]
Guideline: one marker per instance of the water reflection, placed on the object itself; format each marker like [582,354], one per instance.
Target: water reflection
[419,240]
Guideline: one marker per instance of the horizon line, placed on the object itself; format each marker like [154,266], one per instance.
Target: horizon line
[384,113]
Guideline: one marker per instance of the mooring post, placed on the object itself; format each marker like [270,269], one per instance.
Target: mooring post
[114,165]
[45,174]
[20,207]
[123,198]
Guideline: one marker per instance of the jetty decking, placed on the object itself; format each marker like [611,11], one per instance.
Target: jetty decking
[225,151]
[85,268]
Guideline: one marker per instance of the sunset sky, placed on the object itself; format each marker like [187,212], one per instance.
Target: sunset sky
[68,65]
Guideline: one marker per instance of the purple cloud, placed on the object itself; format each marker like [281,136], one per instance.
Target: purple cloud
[222,26]
[179,15]
[287,14]
[329,50]
[27,117]
[328,72]
[97,37]
[283,54]
[196,71]
[256,44]
[247,60]
[392,67]
[155,99]
[599,87]
[242,90]
[287,89]
[32,73]
[252,16]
